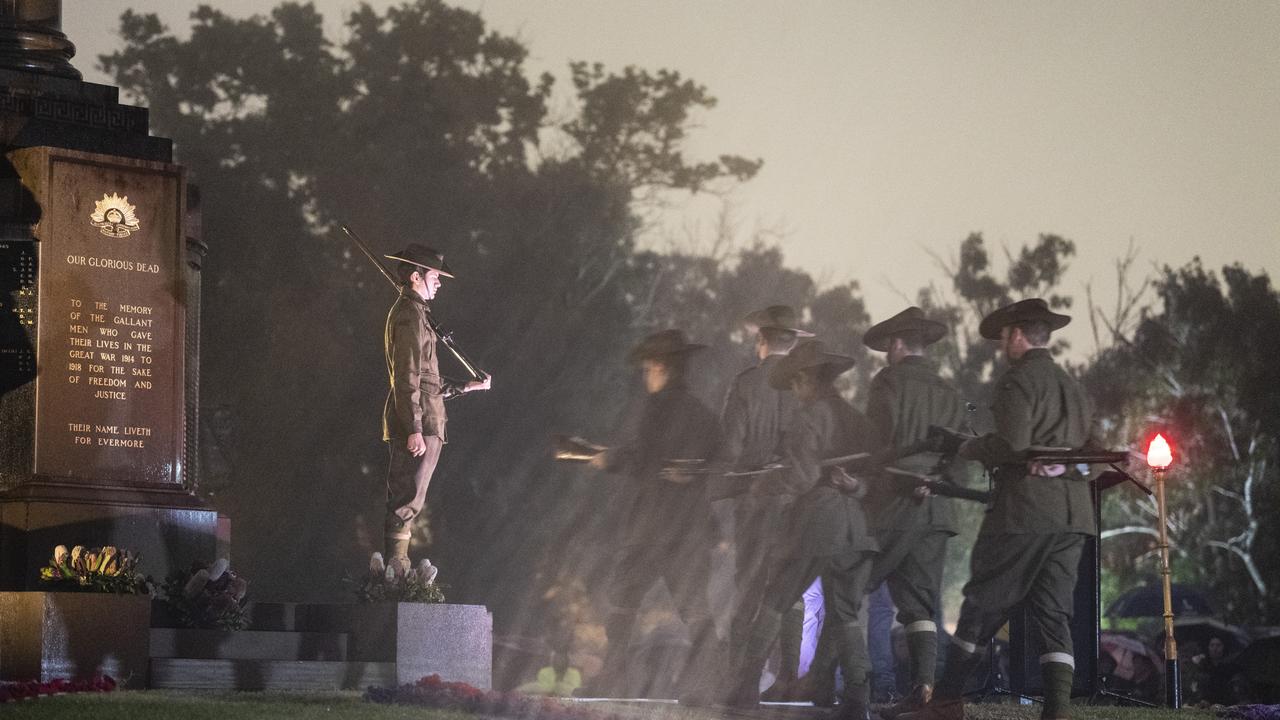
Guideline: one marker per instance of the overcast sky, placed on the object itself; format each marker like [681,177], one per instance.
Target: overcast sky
[890,129]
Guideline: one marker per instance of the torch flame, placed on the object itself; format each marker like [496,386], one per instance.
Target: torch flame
[1159,455]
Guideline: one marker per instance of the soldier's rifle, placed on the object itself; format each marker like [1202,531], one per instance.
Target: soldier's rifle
[446,338]
[946,444]
[577,450]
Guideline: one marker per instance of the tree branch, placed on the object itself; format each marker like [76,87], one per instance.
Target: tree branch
[1129,530]
[1247,559]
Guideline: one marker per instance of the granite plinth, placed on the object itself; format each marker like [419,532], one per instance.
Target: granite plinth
[196,644]
[167,538]
[49,635]
[452,641]
[294,675]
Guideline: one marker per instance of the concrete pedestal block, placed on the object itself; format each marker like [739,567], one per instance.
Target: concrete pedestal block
[166,539]
[452,641]
[48,635]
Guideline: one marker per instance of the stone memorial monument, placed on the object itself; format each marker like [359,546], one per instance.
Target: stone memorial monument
[100,257]
[99,310]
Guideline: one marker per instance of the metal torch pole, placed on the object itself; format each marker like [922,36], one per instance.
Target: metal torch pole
[1172,680]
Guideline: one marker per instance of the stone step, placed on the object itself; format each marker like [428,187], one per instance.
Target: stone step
[247,645]
[277,617]
[192,674]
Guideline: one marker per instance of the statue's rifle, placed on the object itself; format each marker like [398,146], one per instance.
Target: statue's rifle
[446,338]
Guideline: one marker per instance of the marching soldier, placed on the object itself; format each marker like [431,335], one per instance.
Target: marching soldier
[669,533]
[910,525]
[825,530]
[754,416]
[1028,548]
[413,417]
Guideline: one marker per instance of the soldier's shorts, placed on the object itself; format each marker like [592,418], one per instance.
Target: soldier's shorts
[407,481]
[1007,569]
[684,567]
[911,563]
[844,583]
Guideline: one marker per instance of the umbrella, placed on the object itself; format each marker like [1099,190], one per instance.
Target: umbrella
[1148,601]
[1200,630]
[1260,661]
[1135,660]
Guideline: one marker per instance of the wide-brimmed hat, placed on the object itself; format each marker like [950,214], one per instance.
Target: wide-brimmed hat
[1031,309]
[912,319]
[422,256]
[775,317]
[808,354]
[662,344]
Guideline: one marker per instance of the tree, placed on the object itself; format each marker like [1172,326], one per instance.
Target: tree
[1200,369]
[422,126]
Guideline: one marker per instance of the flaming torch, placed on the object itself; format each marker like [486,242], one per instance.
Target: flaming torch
[1159,458]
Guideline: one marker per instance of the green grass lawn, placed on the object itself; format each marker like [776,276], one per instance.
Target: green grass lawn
[186,705]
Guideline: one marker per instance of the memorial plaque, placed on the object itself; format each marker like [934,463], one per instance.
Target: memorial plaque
[110,326]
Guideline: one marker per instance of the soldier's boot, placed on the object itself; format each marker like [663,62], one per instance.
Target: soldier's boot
[786,687]
[822,670]
[947,702]
[700,680]
[916,700]
[740,630]
[922,648]
[855,665]
[611,681]
[1057,690]
[397,551]
[743,686]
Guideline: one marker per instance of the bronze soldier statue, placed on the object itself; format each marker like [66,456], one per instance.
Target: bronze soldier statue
[825,530]
[668,534]
[413,418]
[910,525]
[752,421]
[1028,548]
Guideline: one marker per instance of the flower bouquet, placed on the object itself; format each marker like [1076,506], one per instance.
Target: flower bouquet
[210,597]
[398,582]
[105,569]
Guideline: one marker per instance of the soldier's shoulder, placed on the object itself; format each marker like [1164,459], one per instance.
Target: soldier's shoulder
[836,405]
[885,374]
[1019,376]
[686,399]
[886,379]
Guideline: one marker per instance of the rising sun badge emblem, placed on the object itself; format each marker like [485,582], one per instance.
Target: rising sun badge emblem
[113,216]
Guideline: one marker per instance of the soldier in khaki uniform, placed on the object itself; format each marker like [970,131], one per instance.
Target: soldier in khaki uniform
[1029,546]
[413,418]
[668,533]
[910,525]
[825,531]
[752,421]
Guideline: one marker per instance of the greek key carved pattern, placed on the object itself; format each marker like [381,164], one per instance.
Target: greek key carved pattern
[67,110]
